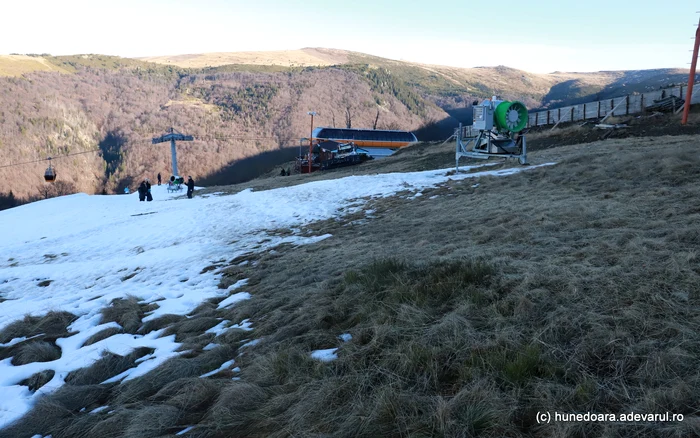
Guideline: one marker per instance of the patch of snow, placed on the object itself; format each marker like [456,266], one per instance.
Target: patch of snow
[244,325]
[219,328]
[185,430]
[250,343]
[223,366]
[233,299]
[18,340]
[325,355]
[345,337]
[100,409]
[210,346]
[238,284]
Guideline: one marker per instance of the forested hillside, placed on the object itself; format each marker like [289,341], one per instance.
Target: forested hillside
[59,106]
[232,115]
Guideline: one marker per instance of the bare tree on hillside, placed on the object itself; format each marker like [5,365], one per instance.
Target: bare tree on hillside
[62,188]
[58,188]
[392,126]
[376,119]
[46,191]
[348,117]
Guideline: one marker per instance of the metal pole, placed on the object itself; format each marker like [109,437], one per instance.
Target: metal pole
[311,138]
[174,154]
[311,142]
[691,77]
[458,143]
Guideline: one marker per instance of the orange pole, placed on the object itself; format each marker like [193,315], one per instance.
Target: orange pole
[691,77]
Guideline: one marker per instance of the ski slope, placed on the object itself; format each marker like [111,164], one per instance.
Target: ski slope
[94,248]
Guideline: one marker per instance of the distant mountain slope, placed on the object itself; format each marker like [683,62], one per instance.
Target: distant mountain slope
[232,115]
[286,58]
[452,87]
[17,65]
[68,104]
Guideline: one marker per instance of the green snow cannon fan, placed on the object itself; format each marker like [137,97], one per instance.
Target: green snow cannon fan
[495,131]
[510,116]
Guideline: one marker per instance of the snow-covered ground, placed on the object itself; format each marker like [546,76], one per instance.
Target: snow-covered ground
[88,247]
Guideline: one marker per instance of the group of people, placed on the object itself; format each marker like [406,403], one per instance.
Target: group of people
[145,191]
[145,188]
[283,173]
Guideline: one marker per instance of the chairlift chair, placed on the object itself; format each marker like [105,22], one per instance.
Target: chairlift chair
[50,174]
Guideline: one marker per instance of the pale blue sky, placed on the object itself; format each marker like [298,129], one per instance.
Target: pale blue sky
[534,35]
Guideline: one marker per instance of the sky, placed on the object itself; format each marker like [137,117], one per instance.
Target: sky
[99,248]
[538,36]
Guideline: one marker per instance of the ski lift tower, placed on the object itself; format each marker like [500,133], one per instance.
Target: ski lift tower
[172,136]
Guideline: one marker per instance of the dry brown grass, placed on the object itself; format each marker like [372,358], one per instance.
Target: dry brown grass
[53,325]
[570,288]
[17,65]
[302,57]
[103,334]
[136,390]
[153,421]
[127,312]
[38,351]
[46,415]
[595,274]
[108,366]
[38,380]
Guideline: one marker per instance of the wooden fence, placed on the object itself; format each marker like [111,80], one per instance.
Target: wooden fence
[630,104]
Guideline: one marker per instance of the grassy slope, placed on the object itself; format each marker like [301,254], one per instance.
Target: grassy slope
[17,65]
[570,288]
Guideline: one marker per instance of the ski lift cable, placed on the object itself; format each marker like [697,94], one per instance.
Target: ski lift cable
[205,138]
[50,158]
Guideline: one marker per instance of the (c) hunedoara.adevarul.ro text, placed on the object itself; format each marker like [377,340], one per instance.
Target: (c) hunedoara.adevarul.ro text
[547,417]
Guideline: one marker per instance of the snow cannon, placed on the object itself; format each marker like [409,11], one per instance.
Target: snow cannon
[497,130]
[503,115]
[510,116]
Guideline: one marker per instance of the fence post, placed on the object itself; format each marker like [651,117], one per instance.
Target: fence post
[548,117]
[598,109]
[536,119]
[641,103]
[627,105]
[572,113]
[584,112]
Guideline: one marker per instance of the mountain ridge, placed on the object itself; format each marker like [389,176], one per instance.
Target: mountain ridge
[238,111]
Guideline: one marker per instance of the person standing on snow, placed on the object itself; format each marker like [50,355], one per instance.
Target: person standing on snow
[190,187]
[149,198]
[142,191]
[158,178]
